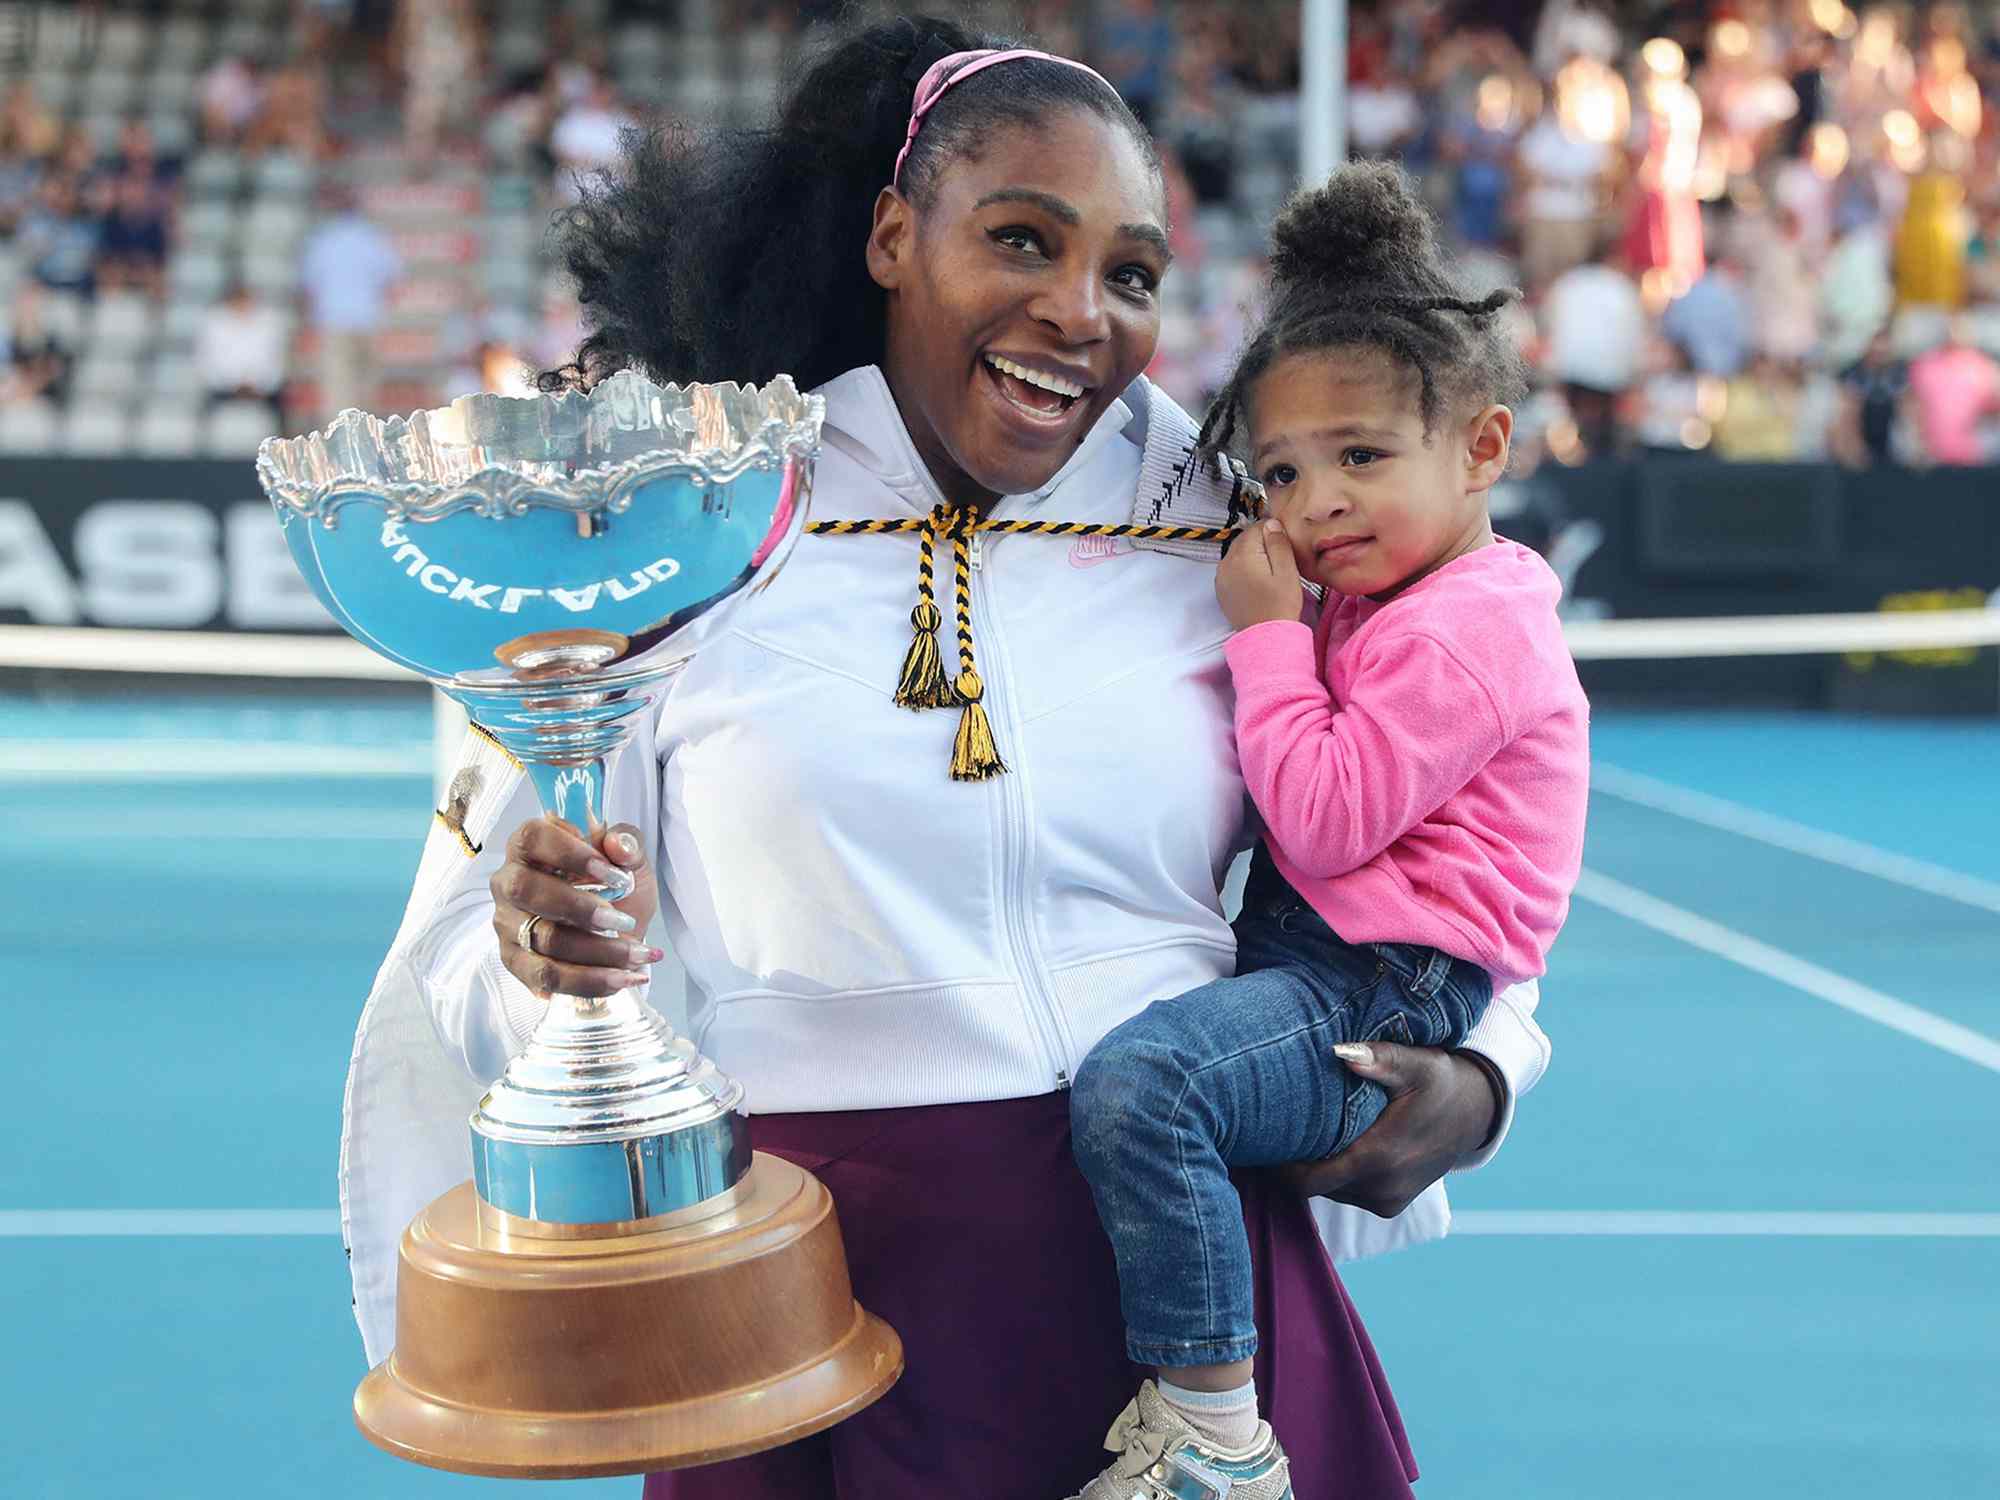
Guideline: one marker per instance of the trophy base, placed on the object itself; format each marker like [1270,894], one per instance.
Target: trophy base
[620,1353]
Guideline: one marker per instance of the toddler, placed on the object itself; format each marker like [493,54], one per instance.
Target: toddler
[1420,760]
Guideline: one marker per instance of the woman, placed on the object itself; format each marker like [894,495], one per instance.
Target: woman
[904,968]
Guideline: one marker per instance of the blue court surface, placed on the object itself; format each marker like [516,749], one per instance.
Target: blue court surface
[1744,1241]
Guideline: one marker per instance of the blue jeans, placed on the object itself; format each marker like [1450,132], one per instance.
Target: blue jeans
[1241,1073]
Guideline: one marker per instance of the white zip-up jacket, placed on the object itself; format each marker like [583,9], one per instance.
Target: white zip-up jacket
[860,931]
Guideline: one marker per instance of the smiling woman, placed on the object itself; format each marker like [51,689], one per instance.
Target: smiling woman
[1015,232]
[962,251]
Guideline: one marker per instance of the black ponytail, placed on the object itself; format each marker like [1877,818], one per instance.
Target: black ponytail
[1356,264]
[732,254]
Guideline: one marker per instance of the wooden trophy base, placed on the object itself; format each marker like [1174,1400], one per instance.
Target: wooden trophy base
[724,1330]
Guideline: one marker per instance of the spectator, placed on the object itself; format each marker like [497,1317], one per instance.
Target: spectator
[1712,323]
[1930,246]
[1876,392]
[585,138]
[1561,195]
[1804,185]
[346,270]
[240,349]
[1778,278]
[292,114]
[1760,414]
[1134,47]
[132,248]
[230,98]
[29,135]
[59,238]
[437,44]
[1595,331]
[1663,237]
[1198,127]
[29,129]
[1383,116]
[34,358]
[1957,395]
[1674,410]
[1982,256]
[1480,140]
[1855,294]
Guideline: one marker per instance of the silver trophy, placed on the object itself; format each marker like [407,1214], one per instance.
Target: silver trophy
[551,563]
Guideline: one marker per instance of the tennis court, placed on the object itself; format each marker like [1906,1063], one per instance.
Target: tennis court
[1744,1241]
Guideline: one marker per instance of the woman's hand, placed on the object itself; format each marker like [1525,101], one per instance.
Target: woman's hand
[583,944]
[1443,1106]
[1259,579]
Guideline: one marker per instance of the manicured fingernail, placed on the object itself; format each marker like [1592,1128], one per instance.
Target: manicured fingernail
[602,873]
[611,919]
[639,953]
[1272,526]
[1355,1052]
[629,980]
[624,846]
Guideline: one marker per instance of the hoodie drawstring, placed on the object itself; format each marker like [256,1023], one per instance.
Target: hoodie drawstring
[923,685]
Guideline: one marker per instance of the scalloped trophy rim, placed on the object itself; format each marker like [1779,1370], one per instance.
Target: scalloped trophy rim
[314,474]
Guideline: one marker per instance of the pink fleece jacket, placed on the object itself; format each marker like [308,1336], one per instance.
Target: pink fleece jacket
[1422,765]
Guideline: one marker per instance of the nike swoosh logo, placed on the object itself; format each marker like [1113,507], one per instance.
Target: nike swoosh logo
[1089,551]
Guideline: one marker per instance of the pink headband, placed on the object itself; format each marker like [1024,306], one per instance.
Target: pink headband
[941,76]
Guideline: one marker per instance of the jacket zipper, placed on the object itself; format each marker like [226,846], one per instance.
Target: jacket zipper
[1036,1004]
[1041,1006]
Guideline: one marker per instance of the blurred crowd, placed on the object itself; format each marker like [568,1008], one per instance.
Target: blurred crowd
[1763,229]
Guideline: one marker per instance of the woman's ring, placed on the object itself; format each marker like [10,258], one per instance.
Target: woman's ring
[524,937]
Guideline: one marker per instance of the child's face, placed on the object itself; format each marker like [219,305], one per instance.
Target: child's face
[1368,506]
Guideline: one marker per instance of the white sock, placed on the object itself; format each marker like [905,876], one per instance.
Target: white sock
[1227,1419]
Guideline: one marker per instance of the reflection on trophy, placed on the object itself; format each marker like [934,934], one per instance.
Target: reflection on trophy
[623,1285]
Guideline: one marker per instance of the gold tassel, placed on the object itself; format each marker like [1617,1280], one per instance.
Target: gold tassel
[923,684]
[974,756]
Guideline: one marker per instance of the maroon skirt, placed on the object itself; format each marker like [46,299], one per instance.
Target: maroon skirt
[970,1229]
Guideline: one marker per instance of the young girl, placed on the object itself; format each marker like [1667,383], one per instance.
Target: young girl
[1421,764]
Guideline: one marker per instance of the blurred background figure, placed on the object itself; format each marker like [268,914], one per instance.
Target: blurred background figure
[1877,396]
[240,351]
[1712,321]
[34,357]
[1840,165]
[1663,240]
[1956,387]
[346,270]
[1594,327]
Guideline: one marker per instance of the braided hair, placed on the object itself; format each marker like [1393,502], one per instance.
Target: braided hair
[1356,265]
[716,254]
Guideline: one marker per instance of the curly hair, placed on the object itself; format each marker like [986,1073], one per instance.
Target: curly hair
[738,254]
[1356,265]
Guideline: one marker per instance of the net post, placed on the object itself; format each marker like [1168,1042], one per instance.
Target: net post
[448,726]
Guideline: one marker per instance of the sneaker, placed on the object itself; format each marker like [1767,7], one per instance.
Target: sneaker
[1160,1457]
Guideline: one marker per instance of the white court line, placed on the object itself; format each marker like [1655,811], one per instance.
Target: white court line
[1789,969]
[258,825]
[73,1223]
[1622,1221]
[203,760]
[1798,838]
[252,1223]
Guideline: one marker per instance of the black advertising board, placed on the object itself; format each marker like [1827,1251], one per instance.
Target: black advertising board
[145,543]
[193,545]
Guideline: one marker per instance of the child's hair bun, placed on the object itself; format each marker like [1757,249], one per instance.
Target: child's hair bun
[1366,219]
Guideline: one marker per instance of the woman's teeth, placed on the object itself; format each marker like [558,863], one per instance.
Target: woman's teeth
[1068,389]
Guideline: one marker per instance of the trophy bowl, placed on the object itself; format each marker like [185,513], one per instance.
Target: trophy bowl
[624,1285]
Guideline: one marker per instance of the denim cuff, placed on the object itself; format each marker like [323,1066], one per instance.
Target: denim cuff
[1179,1353]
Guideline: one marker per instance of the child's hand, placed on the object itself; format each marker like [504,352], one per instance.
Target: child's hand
[1259,580]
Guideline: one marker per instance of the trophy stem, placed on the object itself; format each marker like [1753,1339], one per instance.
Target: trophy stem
[574,792]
